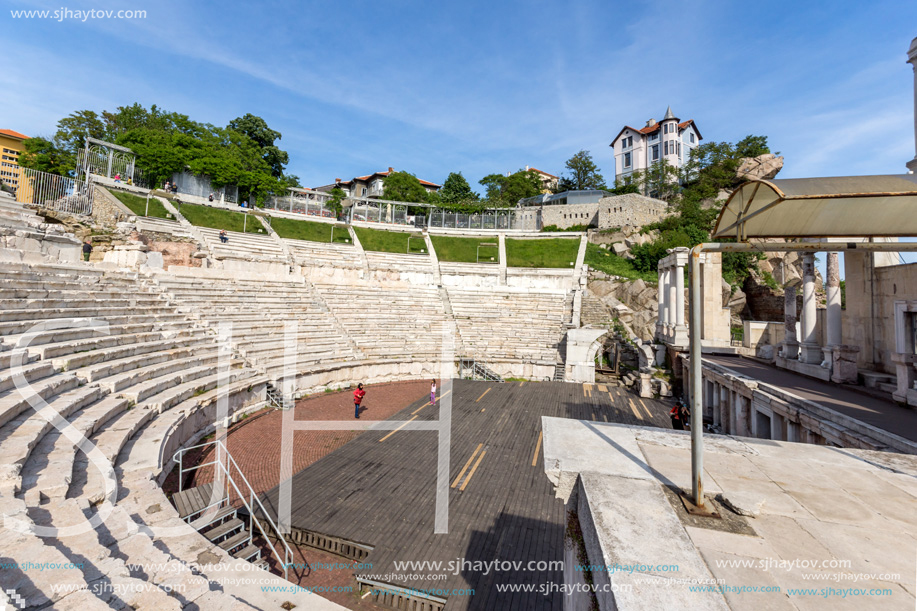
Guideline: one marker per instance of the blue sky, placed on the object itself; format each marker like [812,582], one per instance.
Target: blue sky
[482,87]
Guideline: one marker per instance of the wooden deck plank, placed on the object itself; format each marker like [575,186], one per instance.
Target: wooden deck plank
[383,494]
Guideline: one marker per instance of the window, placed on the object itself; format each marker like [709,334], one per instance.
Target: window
[678,147]
[692,137]
[655,150]
[363,191]
[627,142]
[626,160]
[665,147]
[654,136]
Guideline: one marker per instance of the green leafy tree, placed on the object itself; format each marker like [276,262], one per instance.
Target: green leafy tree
[41,154]
[403,187]
[264,137]
[73,129]
[456,189]
[660,180]
[583,174]
[337,196]
[710,170]
[506,191]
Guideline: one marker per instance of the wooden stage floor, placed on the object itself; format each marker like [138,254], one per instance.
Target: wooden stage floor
[379,490]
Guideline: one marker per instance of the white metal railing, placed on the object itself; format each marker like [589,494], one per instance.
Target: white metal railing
[253,500]
[54,192]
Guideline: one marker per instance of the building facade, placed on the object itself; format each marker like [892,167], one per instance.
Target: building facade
[10,149]
[548,181]
[370,186]
[669,139]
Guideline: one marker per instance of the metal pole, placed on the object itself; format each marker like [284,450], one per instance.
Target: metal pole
[244,221]
[147,213]
[697,413]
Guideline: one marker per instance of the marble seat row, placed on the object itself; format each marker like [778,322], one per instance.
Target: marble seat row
[74,396]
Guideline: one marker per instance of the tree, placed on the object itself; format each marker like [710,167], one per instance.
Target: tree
[752,146]
[505,191]
[403,187]
[660,180]
[73,129]
[337,196]
[41,154]
[264,137]
[456,189]
[584,174]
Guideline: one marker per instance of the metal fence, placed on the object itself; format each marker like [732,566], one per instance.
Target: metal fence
[55,192]
[310,203]
[110,163]
[491,219]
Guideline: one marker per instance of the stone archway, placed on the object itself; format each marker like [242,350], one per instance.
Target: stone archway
[583,346]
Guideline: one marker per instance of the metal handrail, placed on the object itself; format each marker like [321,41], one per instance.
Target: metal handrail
[287,558]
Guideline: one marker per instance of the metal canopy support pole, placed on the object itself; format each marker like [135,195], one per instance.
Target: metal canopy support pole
[696,382]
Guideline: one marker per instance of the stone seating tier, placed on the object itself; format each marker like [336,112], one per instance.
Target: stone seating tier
[153,365]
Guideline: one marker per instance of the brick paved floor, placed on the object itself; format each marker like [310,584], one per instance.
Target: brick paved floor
[255,446]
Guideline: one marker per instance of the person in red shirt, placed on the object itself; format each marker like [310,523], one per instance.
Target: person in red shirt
[358,395]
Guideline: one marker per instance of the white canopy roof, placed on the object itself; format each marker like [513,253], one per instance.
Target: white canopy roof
[840,206]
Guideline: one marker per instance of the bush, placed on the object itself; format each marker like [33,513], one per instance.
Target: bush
[571,228]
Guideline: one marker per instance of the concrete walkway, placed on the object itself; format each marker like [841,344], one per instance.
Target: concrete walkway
[885,415]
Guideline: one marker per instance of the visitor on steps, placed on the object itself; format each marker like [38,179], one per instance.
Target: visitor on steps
[358,395]
[433,393]
[117,178]
[87,250]
[211,197]
[168,187]
[223,237]
[678,414]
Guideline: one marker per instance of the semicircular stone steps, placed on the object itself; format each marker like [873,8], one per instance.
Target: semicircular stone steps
[155,373]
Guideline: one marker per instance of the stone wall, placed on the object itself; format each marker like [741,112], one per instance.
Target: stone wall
[565,216]
[107,210]
[630,209]
[615,211]
[869,319]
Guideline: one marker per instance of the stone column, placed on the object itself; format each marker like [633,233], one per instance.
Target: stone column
[664,314]
[793,432]
[680,293]
[791,344]
[725,416]
[715,402]
[809,350]
[777,427]
[673,298]
[834,301]
[743,409]
[912,59]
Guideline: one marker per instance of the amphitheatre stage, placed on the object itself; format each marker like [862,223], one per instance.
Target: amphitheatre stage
[378,491]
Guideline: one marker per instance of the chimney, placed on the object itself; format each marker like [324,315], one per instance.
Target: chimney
[526,168]
[651,123]
[391,169]
[337,180]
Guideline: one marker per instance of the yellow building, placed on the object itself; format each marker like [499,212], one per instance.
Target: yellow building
[10,149]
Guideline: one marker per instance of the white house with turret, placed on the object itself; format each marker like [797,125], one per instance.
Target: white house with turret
[669,139]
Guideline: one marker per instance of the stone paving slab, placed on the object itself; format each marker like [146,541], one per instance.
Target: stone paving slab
[824,528]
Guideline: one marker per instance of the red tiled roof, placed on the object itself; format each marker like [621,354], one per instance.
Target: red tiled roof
[385,173]
[13,134]
[649,129]
[542,172]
